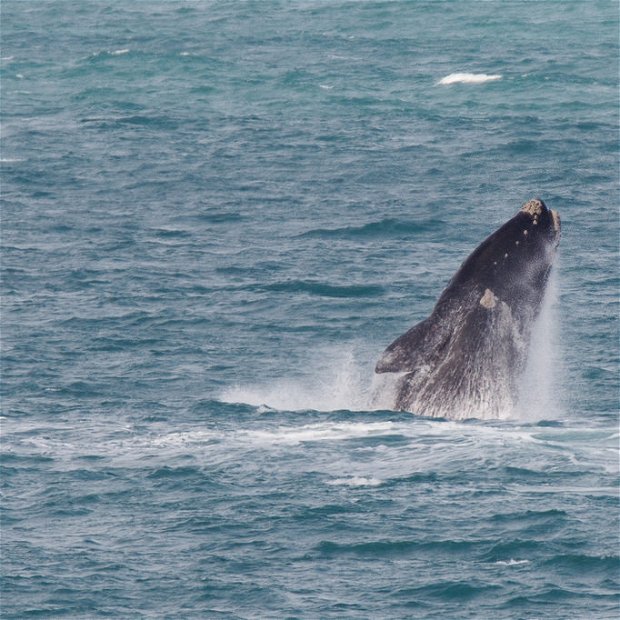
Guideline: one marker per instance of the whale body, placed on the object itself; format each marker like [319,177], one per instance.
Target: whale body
[466,359]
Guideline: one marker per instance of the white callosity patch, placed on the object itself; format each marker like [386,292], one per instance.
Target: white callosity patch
[533,207]
[488,300]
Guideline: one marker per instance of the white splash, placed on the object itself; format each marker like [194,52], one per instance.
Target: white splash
[468,78]
[538,397]
[337,381]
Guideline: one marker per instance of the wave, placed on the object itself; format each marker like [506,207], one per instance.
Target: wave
[356,481]
[325,290]
[136,120]
[385,548]
[468,78]
[387,227]
[512,562]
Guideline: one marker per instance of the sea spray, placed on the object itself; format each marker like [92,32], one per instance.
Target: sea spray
[539,397]
[335,379]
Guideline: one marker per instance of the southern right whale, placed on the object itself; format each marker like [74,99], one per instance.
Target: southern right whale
[466,359]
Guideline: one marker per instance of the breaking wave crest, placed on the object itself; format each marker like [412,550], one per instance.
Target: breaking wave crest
[468,78]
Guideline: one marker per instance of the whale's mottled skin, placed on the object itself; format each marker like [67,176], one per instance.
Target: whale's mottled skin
[465,360]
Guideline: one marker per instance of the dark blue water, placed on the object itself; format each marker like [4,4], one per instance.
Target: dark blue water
[215,216]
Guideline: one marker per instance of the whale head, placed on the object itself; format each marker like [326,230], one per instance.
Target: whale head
[513,264]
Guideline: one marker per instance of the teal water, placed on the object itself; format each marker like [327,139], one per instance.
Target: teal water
[215,216]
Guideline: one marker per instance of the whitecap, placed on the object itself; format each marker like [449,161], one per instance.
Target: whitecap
[119,52]
[356,481]
[512,562]
[468,78]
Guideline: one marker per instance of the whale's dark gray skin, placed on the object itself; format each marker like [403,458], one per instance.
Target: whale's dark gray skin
[466,359]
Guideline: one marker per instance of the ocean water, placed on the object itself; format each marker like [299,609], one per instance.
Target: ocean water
[215,217]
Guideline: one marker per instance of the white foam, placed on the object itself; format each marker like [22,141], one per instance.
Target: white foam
[119,52]
[356,481]
[327,431]
[512,562]
[468,78]
[184,438]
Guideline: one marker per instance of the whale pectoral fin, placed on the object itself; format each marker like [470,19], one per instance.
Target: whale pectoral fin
[414,348]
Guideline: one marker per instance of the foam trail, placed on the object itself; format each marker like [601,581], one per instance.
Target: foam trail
[539,388]
[468,78]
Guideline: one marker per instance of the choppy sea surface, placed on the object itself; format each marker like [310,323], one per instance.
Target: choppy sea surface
[215,216]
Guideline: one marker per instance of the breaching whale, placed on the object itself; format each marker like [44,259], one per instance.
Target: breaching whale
[466,359]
